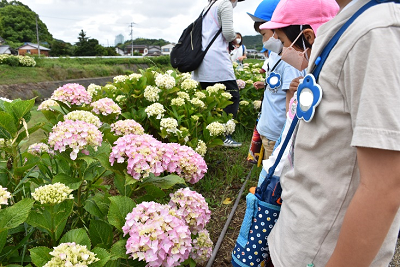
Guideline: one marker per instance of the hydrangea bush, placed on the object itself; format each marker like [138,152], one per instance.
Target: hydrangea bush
[109,150]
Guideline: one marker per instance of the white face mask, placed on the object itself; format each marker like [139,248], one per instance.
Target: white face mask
[273,44]
[238,40]
[234,3]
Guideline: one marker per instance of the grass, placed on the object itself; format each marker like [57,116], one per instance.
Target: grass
[47,69]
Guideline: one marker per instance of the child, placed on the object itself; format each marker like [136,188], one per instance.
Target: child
[273,108]
[341,199]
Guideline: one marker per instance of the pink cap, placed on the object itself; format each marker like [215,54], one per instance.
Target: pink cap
[302,12]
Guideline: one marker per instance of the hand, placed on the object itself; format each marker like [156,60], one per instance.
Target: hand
[258,85]
[294,84]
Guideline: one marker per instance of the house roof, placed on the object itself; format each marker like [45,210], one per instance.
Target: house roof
[34,46]
[4,48]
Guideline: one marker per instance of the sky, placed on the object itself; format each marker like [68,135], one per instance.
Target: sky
[104,19]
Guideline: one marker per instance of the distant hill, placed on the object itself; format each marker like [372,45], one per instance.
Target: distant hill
[253,41]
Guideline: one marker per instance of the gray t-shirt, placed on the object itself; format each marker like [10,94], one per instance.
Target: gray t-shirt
[359,108]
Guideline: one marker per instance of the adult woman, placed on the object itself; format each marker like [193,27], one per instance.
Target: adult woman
[216,66]
[238,54]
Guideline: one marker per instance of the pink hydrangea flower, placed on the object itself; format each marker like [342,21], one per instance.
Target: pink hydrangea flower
[157,235]
[124,127]
[143,154]
[202,247]
[76,135]
[241,84]
[73,94]
[192,207]
[184,161]
[106,106]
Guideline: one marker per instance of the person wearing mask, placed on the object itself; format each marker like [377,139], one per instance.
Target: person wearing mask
[273,109]
[217,66]
[341,197]
[238,54]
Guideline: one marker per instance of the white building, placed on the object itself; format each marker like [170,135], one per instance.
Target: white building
[5,49]
[166,49]
[119,39]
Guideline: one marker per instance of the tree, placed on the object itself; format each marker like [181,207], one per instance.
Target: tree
[60,48]
[18,23]
[88,46]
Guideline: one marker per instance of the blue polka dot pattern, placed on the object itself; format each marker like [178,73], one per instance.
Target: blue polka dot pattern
[251,248]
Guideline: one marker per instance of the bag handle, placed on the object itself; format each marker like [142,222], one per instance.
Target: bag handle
[319,62]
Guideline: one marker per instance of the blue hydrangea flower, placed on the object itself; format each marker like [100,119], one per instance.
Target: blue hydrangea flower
[309,95]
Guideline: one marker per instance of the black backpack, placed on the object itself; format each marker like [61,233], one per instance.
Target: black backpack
[187,55]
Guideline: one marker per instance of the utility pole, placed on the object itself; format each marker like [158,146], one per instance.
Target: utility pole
[37,36]
[132,37]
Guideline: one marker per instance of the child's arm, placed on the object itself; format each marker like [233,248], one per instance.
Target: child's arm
[292,89]
[372,209]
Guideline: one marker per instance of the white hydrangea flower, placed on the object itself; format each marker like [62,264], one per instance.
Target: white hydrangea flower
[71,255]
[216,128]
[178,101]
[186,75]
[183,95]
[220,86]
[165,81]
[169,124]
[135,76]
[86,116]
[48,104]
[212,90]
[201,148]
[257,104]
[189,84]
[169,72]
[227,95]
[195,117]
[197,102]
[120,78]
[230,127]
[5,99]
[4,196]
[244,103]
[110,87]
[52,193]
[151,93]
[200,95]
[38,149]
[121,99]
[155,109]
[93,89]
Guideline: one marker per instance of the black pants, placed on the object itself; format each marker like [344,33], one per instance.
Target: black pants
[233,89]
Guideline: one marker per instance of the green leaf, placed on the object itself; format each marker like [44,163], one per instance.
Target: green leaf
[13,216]
[79,236]
[7,122]
[165,182]
[118,250]
[103,256]
[3,238]
[4,133]
[97,205]
[51,219]
[120,206]
[155,191]
[40,255]
[22,107]
[70,181]
[31,130]
[101,232]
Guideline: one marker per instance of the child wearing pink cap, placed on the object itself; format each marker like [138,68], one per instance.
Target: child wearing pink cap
[341,197]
